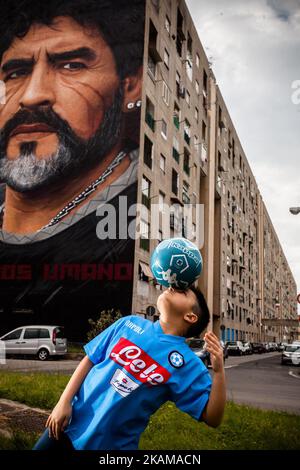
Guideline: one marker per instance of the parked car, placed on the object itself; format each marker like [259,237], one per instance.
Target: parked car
[40,340]
[291,355]
[258,348]
[282,346]
[271,346]
[197,345]
[248,348]
[296,343]
[224,349]
[235,347]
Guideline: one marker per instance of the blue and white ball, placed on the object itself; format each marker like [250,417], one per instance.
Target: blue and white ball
[176,263]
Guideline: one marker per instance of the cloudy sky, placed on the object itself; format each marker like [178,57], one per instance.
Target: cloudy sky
[255,50]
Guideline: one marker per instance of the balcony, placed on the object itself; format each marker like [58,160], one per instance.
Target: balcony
[146,201]
[186,169]
[176,155]
[176,121]
[150,121]
[145,244]
[187,138]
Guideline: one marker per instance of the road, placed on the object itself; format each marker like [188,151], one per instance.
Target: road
[265,383]
[258,380]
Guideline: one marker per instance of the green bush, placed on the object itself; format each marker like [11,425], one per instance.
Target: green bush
[107,318]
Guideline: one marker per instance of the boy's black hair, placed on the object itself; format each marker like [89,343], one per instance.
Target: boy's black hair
[202,311]
[120,22]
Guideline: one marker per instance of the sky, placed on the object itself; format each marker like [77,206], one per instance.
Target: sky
[254,47]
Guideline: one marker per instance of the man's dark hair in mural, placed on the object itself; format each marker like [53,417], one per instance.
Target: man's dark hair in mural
[69,142]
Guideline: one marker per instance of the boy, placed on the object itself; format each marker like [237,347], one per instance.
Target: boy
[130,370]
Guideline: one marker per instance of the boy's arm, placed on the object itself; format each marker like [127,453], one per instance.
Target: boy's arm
[214,410]
[61,414]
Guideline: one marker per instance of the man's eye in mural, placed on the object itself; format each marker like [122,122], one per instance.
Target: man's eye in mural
[16,74]
[73,66]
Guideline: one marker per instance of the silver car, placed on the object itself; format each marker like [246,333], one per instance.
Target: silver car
[40,340]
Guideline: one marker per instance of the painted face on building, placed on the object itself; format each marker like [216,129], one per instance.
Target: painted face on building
[64,103]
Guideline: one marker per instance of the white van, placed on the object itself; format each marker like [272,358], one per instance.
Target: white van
[40,340]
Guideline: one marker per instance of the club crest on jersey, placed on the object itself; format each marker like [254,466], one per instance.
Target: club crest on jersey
[176,359]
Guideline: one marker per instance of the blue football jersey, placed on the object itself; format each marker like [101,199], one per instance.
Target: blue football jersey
[137,368]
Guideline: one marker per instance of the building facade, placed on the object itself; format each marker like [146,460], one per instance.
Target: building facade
[191,155]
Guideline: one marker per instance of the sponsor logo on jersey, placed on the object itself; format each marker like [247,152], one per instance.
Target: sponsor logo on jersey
[136,328]
[138,363]
[176,359]
[122,383]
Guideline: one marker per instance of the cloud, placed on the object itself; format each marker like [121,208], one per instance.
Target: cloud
[255,49]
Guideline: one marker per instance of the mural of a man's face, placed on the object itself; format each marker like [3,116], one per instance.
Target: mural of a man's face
[63,104]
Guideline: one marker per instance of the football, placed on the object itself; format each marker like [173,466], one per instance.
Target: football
[176,263]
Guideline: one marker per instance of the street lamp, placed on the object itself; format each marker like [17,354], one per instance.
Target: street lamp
[295,210]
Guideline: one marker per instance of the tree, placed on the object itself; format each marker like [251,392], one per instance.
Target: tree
[107,318]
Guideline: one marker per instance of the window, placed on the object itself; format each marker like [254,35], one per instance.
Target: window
[149,117]
[178,85]
[31,333]
[197,145]
[175,181]
[205,81]
[161,201]
[186,162]
[187,97]
[148,152]
[203,131]
[14,335]
[176,116]
[180,37]
[146,188]
[162,163]
[166,58]
[60,332]
[44,333]
[176,149]
[197,61]
[168,25]
[197,87]
[189,58]
[151,67]
[187,132]
[196,114]
[185,193]
[165,93]
[164,129]
[145,231]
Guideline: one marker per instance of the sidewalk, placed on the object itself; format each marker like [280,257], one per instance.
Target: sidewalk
[16,416]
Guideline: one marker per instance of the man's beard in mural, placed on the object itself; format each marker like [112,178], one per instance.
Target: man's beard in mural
[73,156]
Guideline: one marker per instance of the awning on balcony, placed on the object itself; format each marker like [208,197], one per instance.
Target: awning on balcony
[146,269]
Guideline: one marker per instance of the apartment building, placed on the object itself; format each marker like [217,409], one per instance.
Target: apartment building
[191,154]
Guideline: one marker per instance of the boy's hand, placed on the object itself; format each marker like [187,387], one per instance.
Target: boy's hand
[215,349]
[59,419]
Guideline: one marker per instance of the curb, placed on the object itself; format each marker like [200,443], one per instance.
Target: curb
[21,407]
[74,356]
[296,376]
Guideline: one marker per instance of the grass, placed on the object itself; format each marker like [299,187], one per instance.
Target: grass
[19,441]
[34,389]
[243,427]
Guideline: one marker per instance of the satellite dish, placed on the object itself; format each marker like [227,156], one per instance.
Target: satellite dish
[150,310]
